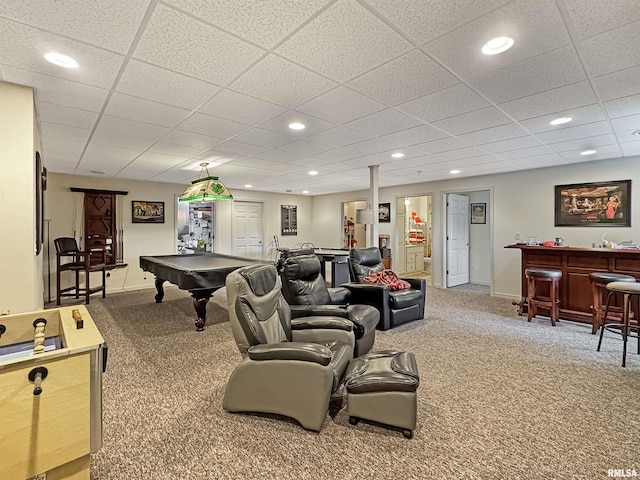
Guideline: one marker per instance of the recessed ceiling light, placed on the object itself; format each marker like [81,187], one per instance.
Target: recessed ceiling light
[297,126]
[288,191]
[248,186]
[455,171]
[305,191]
[397,155]
[313,172]
[60,60]
[497,45]
[636,132]
[560,120]
[587,152]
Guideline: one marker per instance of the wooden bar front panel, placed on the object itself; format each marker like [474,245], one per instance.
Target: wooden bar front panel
[576,264]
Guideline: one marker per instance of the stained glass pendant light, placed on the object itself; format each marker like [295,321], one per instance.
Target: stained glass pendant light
[205,189]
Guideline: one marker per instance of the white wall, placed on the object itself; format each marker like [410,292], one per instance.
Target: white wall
[160,239]
[522,202]
[21,286]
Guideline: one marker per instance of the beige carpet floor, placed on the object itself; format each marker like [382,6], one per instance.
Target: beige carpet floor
[499,398]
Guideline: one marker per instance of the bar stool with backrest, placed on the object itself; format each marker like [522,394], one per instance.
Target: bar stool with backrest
[625,327]
[70,258]
[599,282]
[535,276]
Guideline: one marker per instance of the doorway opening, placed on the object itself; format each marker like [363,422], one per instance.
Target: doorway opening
[195,227]
[353,235]
[414,236]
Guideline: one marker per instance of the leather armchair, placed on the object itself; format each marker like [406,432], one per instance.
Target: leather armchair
[306,291]
[289,366]
[395,307]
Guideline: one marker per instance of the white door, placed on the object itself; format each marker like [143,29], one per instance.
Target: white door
[457,240]
[248,229]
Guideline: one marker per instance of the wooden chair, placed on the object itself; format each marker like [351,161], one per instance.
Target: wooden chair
[535,299]
[70,258]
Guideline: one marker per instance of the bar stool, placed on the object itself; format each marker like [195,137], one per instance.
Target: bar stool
[629,290]
[534,300]
[599,282]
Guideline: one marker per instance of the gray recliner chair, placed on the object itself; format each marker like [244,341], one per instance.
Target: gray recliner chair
[306,292]
[395,307]
[289,367]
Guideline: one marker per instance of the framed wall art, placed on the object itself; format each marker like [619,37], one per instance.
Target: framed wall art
[593,204]
[478,213]
[384,213]
[147,212]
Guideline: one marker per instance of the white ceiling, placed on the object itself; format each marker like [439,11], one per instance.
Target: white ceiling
[165,85]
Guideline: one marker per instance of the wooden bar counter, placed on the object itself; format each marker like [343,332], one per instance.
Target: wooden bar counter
[576,264]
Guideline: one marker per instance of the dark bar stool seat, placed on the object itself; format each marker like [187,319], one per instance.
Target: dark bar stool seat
[599,282]
[535,300]
[625,327]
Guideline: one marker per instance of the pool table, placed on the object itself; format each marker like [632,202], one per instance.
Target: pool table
[200,274]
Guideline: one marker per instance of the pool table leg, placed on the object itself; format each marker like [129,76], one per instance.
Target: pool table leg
[160,289]
[200,300]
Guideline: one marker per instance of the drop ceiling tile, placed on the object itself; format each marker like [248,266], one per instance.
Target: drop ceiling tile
[458,154]
[130,128]
[264,138]
[258,21]
[83,21]
[548,160]
[178,42]
[164,86]
[495,134]
[425,21]
[344,41]
[304,147]
[276,156]
[173,149]
[622,107]
[279,81]
[551,101]
[631,148]
[312,163]
[513,144]
[603,151]
[470,122]
[241,108]
[140,110]
[535,25]
[444,103]
[73,117]
[108,158]
[523,152]
[374,145]
[618,84]
[383,122]
[341,105]
[190,139]
[551,70]
[57,90]
[211,126]
[604,53]
[574,133]
[59,154]
[55,130]
[339,136]
[582,144]
[591,18]
[628,135]
[267,165]
[441,145]
[337,155]
[631,122]
[405,78]
[581,116]
[28,46]
[238,149]
[113,136]
[413,136]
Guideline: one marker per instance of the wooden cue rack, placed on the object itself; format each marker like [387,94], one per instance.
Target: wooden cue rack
[51,401]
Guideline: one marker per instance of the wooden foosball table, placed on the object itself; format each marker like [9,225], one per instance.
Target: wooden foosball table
[51,365]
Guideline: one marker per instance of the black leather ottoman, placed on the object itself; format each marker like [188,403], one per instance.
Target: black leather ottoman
[381,387]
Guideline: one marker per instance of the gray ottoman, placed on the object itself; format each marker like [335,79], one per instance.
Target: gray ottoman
[381,387]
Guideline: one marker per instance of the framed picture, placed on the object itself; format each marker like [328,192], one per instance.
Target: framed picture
[478,213]
[593,204]
[288,220]
[147,212]
[384,213]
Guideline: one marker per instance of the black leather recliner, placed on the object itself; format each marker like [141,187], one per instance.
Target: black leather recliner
[395,307]
[306,292]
